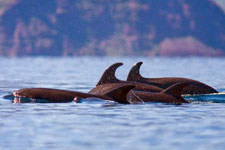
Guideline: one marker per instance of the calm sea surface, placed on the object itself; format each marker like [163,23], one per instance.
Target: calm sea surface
[105,125]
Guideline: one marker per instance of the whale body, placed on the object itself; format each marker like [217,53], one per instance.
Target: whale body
[171,95]
[108,81]
[118,94]
[194,87]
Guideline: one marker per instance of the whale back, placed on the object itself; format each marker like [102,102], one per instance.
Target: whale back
[194,87]
[118,94]
[109,81]
[171,95]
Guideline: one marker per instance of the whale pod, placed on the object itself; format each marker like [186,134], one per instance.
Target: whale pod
[170,95]
[108,81]
[194,87]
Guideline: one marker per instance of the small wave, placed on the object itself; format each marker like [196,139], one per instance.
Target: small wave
[95,101]
[209,98]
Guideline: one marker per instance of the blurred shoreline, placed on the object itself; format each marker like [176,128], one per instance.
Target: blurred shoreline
[176,28]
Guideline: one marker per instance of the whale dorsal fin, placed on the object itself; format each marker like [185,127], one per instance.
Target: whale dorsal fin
[120,94]
[175,89]
[134,74]
[109,74]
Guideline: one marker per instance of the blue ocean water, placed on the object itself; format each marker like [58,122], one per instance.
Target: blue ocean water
[108,125]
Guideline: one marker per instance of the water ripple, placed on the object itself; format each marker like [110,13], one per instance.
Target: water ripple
[108,125]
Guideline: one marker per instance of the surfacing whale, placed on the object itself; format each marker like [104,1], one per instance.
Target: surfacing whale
[194,87]
[108,81]
[118,94]
[170,95]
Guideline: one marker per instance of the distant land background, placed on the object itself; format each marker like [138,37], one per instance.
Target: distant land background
[112,28]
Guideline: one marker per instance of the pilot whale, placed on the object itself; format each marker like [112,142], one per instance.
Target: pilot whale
[109,81]
[170,95]
[141,92]
[194,87]
[118,94]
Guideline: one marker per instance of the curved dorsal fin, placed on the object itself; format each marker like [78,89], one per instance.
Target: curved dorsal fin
[109,74]
[134,73]
[120,94]
[175,89]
